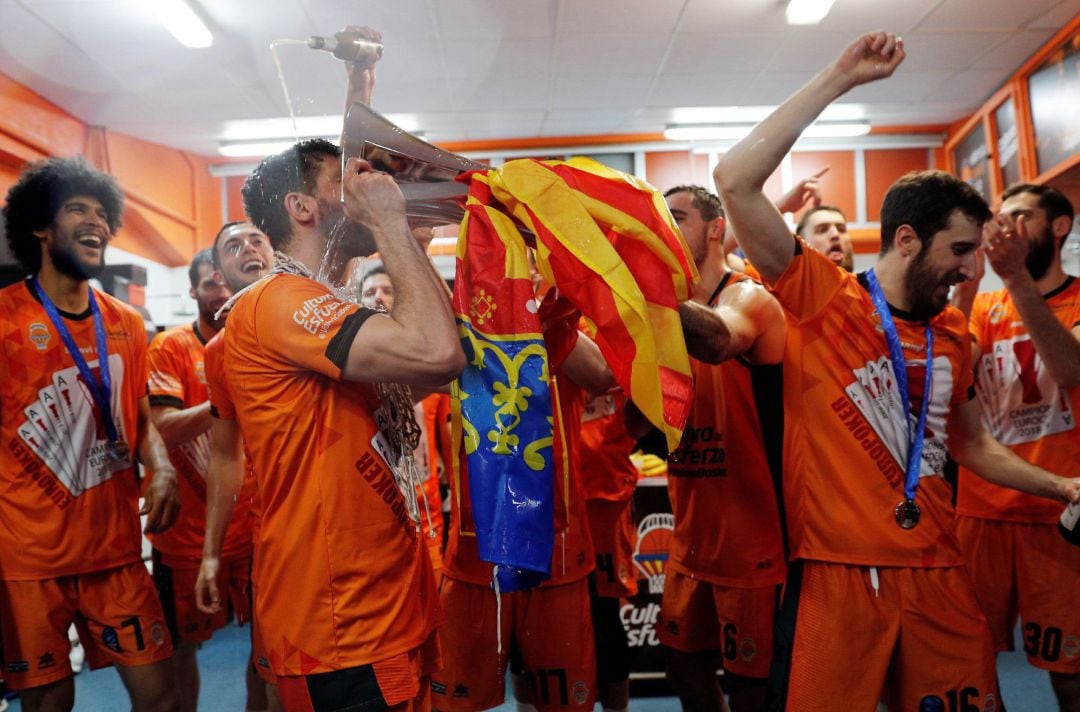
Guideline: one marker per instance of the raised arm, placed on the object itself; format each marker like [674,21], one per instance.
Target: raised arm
[741,174]
[416,344]
[1057,345]
[975,449]
[361,75]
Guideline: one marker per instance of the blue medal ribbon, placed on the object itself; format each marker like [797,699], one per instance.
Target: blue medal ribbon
[100,390]
[899,366]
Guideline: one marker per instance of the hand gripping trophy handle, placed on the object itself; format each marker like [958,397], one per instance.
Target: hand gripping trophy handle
[424,172]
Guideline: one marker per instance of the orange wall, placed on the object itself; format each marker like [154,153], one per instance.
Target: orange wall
[173,204]
[666,169]
[882,170]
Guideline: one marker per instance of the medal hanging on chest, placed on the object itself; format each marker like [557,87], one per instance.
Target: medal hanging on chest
[907,513]
[117,451]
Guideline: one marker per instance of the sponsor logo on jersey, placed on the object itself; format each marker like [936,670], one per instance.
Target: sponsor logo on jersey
[19,666]
[318,314]
[438,688]
[39,335]
[580,692]
[747,649]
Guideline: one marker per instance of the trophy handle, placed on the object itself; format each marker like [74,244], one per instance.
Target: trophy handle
[424,172]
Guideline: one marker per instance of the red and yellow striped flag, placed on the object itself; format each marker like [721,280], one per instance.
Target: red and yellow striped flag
[608,242]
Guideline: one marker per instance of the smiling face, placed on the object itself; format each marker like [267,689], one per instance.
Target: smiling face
[949,260]
[244,255]
[75,241]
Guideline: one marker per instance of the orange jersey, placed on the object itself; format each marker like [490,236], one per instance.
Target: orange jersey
[604,449]
[721,482]
[342,576]
[222,407]
[1022,406]
[573,557]
[427,463]
[67,509]
[845,443]
[178,380]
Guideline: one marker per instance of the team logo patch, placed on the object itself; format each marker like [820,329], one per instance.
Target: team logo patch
[747,649]
[651,552]
[110,639]
[580,692]
[990,704]
[623,573]
[1071,647]
[157,633]
[39,335]
[996,313]
[47,660]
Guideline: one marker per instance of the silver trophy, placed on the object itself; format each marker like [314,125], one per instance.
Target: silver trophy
[424,172]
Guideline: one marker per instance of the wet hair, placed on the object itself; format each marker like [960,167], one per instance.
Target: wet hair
[926,200]
[217,238]
[202,257]
[34,201]
[1051,200]
[703,201]
[819,209]
[294,170]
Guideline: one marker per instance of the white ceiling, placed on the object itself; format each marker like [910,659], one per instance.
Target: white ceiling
[490,69]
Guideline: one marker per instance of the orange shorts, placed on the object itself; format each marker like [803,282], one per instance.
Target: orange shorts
[1030,571]
[399,683]
[116,611]
[548,630]
[176,589]
[697,616]
[849,636]
[614,535]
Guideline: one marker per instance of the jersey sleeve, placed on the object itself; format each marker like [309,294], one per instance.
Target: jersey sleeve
[964,388]
[979,309]
[165,383]
[302,323]
[139,367]
[221,403]
[810,281]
